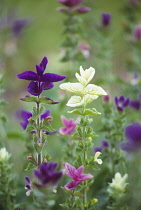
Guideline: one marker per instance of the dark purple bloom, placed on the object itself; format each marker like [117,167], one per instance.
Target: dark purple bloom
[104,144]
[105,19]
[137,33]
[28,186]
[121,102]
[39,80]
[47,174]
[133,136]
[70,3]
[135,104]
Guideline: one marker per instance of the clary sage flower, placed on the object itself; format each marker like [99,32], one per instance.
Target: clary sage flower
[69,126]
[89,92]
[4,155]
[118,184]
[76,175]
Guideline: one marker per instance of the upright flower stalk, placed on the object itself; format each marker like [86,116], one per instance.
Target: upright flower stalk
[39,123]
[87,93]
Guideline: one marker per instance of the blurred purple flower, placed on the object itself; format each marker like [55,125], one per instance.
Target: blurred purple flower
[105,19]
[106,98]
[69,128]
[47,174]
[121,102]
[76,175]
[70,6]
[40,81]
[28,186]
[137,33]
[135,104]
[104,144]
[18,26]
[70,3]
[133,136]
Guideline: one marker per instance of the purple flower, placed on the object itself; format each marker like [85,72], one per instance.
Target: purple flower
[137,33]
[76,175]
[70,6]
[106,98]
[69,128]
[28,186]
[135,104]
[104,144]
[133,136]
[70,3]
[105,19]
[121,102]
[39,80]
[47,174]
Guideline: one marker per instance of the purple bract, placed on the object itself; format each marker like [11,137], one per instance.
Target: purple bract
[47,174]
[137,33]
[69,126]
[133,136]
[39,80]
[121,102]
[70,3]
[76,175]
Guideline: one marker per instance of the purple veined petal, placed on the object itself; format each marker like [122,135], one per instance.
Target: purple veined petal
[45,114]
[43,63]
[39,70]
[28,179]
[65,121]
[80,170]
[33,88]
[51,77]
[46,85]
[70,170]
[71,185]
[28,75]
[82,10]
[24,116]
[84,177]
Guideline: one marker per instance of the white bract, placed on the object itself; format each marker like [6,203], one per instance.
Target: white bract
[4,155]
[89,92]
[118,182]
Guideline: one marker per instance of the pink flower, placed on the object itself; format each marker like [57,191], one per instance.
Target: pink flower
[76,175]
[70,126]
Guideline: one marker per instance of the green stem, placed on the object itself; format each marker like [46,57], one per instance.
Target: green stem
[39,156]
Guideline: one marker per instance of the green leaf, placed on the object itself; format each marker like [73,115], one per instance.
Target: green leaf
[29,99]
[92,111]
[75,111]
[15,135]
[30,167]
[46,100]
[30,128]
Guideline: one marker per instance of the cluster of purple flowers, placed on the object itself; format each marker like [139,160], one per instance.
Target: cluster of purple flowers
[39,80]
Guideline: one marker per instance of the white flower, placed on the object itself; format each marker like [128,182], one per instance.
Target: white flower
[97,154]
[85,76]
[4,155]
[118,182]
